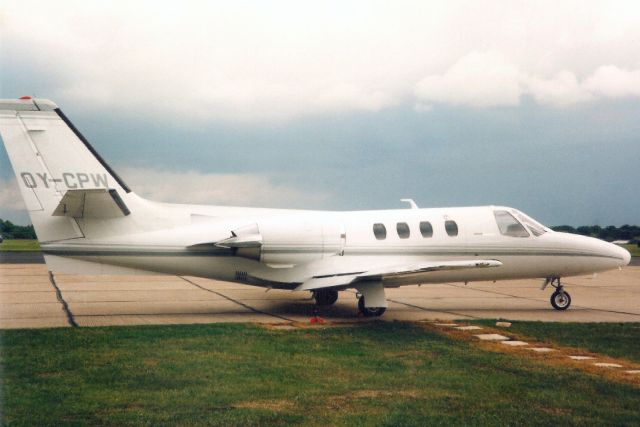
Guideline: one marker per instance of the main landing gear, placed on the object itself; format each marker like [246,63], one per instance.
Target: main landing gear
[374,305]
[370,311]
[560,299]
[372,301]
[325,297]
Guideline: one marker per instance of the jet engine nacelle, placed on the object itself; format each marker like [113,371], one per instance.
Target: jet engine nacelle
[286,242]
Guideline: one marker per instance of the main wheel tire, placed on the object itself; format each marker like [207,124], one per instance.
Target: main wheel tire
[326,297]
[560,300]
[370,311]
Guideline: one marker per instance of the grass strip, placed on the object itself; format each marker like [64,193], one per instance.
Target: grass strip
[18,245]
[633,249]
[381,373]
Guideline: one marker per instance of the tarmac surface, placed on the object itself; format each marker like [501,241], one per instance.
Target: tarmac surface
[29,298]
[21,257]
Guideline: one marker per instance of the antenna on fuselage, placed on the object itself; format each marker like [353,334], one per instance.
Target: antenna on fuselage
[412,204]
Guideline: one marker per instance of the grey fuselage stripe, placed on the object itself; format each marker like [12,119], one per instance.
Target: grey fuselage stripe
[75,252]
[227,252]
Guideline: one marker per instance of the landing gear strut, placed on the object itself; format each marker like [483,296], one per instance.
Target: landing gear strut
[325,296]
[560,299]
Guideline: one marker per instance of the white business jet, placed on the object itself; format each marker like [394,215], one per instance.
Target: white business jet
[88,221]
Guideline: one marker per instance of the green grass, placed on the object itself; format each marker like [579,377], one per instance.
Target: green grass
[611,339]
[387,373]
[19,246]
[634,249]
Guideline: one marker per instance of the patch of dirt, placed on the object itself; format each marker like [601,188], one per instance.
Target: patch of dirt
[49,374]
[349,400]
[359,394]
[278,326]
[272,405]
[555,411]
[291,326]
[408,353]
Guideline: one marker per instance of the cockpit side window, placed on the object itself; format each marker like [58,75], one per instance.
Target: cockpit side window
[509,226]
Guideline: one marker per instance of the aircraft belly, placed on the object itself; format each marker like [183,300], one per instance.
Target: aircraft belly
[514,267]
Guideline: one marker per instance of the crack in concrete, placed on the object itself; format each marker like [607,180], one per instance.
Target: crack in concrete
[248,307]
[65,306]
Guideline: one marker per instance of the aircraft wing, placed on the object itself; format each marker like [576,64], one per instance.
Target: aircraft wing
[349,278]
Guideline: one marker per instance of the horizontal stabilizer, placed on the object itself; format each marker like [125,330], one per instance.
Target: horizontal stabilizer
[348,279]
[93,203]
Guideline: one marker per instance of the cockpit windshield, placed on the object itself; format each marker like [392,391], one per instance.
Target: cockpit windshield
[534,226]
[508,225]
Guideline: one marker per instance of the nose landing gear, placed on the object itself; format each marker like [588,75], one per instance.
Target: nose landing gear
[560,299]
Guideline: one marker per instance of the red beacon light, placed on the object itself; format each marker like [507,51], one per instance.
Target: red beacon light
[25,97]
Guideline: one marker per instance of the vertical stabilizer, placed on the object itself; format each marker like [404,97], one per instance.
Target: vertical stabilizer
[50,157]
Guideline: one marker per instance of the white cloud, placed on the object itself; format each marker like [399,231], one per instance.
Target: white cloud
[479,79]
[10,199]
[561,90]
[261,61]
[219,189]
[486,79]
[613,82]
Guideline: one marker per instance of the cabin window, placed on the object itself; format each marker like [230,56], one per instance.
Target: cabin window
[403,230]
[426,229]
[380,231]
[509,226]
[451,227]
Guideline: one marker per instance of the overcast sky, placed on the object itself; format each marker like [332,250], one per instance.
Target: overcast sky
[345,105]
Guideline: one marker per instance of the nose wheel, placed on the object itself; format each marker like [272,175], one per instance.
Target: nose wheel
[560,299]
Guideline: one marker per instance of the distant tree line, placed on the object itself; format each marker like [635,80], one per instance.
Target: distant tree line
[609,233]
[9,230]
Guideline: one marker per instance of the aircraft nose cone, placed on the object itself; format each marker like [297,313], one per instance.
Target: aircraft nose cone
[623,255]
[619,255]
[626,256]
